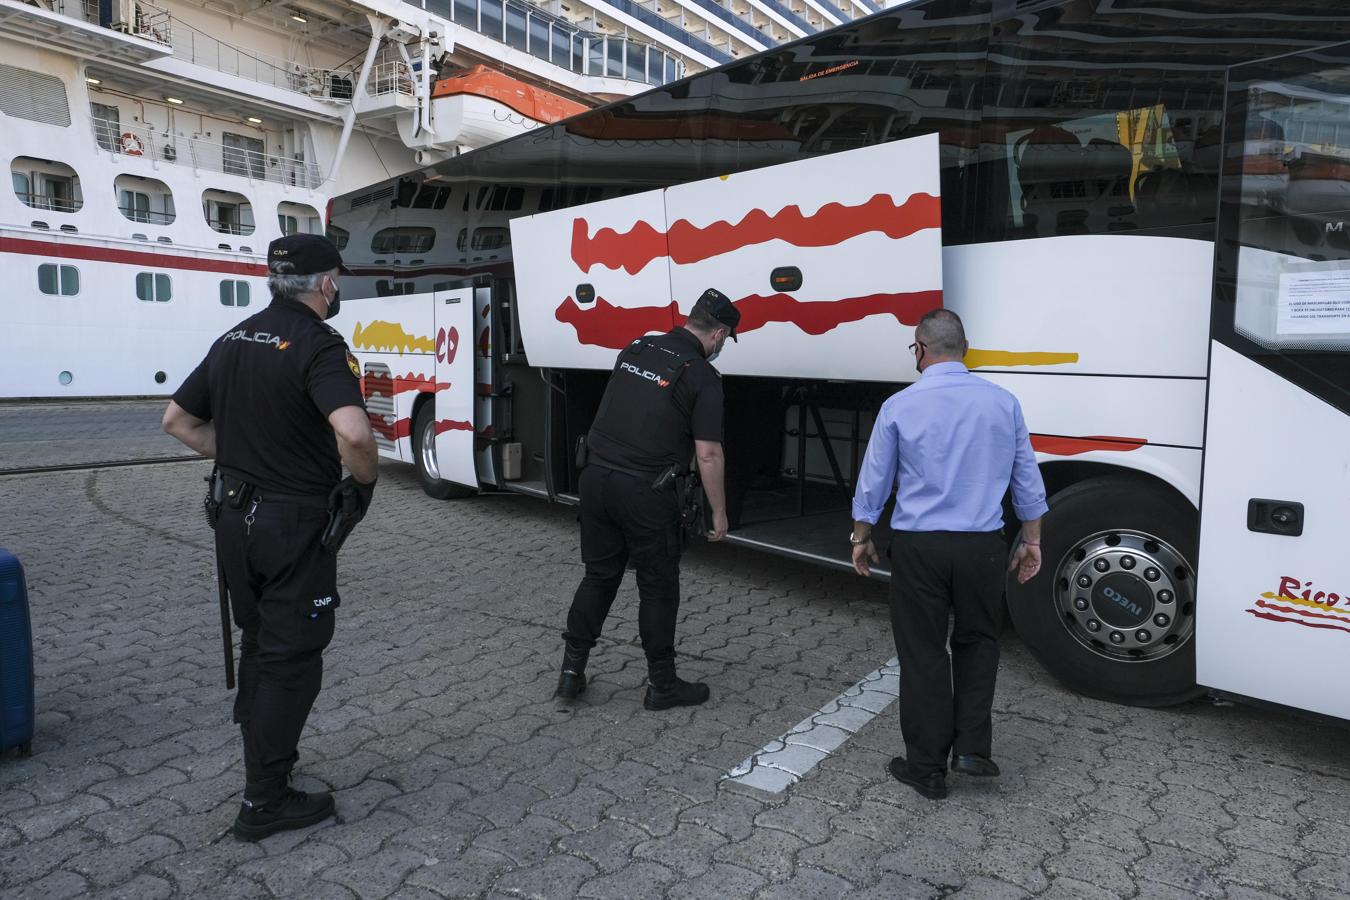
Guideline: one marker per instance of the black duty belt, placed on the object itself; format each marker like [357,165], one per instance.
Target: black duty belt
[249,491]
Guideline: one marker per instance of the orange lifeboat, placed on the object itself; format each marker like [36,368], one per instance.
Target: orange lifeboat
[542,106]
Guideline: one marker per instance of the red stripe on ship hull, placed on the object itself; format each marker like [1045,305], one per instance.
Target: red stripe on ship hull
[1057,445]
[613,327]
[56,250]
[686,243]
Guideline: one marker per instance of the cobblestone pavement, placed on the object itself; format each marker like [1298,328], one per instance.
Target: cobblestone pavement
[458,776]
[63,434]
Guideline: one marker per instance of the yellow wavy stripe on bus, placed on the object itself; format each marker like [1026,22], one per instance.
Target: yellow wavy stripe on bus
[380,335]
[1310,604]
[977,358]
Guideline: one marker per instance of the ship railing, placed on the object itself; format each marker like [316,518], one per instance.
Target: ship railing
[390,77]
[147,217]
[141,140]
[204,50]
[229,226]
[143,20]
[53,202]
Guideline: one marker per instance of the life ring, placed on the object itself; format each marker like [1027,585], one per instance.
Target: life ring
[131,145]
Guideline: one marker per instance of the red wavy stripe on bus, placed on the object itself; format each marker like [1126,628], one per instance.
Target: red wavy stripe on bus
[604,325]
[386,386]
[403,427]
[1274,618]
[686,243]
[1307,613]
[1072,446]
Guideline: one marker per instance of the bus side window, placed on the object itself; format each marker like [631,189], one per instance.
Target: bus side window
[1099,136]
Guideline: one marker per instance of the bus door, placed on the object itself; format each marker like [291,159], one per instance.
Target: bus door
[457,318]
[1273,596]
[484,387]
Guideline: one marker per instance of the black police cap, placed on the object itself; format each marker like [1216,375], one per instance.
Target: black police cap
[716,304]
[304,254]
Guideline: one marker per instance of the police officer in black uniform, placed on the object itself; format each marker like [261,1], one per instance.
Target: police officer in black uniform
[662,406]
[277,402]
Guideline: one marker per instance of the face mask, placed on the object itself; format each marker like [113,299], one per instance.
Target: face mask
[334,304]
[718,352]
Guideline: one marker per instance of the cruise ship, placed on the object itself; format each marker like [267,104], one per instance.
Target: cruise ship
[155,149]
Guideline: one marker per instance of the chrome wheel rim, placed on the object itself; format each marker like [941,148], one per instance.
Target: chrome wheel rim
[426,449]
[1127,596]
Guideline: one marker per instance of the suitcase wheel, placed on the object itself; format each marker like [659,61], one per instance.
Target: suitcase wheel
[26,750]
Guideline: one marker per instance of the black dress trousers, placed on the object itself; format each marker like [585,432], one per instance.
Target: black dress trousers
[946,698]
[283,591]
[623,519]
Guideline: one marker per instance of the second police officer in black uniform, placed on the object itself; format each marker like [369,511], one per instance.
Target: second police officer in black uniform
[662,407]
[278,403]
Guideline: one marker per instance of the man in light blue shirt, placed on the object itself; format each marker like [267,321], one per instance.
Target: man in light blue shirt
[955,442]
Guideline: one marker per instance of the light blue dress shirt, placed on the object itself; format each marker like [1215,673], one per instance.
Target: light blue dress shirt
[956,441]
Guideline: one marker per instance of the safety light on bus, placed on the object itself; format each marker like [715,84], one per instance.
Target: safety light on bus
[585,293]
[785,279]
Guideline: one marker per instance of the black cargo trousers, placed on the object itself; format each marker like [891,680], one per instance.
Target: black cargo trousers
[283,592]
[623,519]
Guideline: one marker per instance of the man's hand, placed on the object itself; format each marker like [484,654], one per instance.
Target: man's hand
[719,526]
[861,554]
[1026,562]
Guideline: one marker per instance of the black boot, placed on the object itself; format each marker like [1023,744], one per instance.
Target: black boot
[274,806]
[665,689]
[572,679]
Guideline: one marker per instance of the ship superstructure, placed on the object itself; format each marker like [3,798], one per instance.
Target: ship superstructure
[156,149]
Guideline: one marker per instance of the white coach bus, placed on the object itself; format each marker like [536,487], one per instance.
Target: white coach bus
[1137,207]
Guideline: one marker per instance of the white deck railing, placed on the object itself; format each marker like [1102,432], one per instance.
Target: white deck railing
[141,140]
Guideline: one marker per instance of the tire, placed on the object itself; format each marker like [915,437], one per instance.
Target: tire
[1112,612]
[424,457]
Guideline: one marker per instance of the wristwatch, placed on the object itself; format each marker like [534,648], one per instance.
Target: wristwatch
[855,540]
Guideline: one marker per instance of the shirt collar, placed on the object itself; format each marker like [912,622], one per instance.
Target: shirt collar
[684,334]
[955,367]
[294,306]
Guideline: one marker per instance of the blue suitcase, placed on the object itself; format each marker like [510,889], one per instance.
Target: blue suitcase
[16,659]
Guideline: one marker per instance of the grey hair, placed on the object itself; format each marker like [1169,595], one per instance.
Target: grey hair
[941,332]
[285,286]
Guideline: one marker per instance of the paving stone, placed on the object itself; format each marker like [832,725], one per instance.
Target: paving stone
[807,884]
[57,885]
[770,854]
[557,876]
[688,851]
[1180,869]
[634,882]
[984,888]
[142,887]
[608,845]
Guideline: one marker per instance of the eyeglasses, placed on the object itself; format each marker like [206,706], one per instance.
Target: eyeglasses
[918,344]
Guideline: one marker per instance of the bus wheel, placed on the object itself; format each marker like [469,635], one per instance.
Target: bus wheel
[1112,612]
[424,457]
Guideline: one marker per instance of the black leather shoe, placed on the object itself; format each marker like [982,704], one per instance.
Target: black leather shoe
[974,764]
[292,809]
[676,693]
[571,685]
[932,785]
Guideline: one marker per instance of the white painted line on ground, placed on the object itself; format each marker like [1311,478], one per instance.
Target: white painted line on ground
[782,762]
